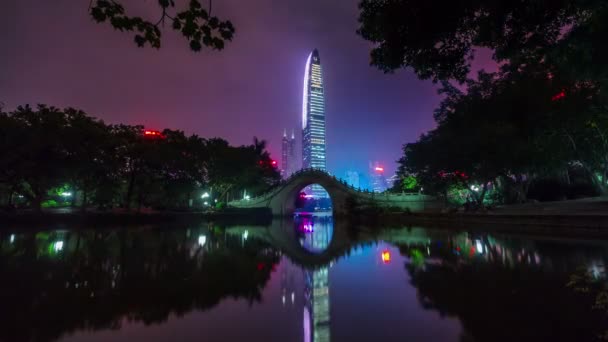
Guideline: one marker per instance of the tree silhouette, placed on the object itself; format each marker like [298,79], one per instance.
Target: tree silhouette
[194,23]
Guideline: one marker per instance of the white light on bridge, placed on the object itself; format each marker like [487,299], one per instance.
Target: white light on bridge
[58,246]
[245,235]
[66,194]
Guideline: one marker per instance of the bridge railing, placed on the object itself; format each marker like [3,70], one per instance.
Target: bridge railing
[271,191]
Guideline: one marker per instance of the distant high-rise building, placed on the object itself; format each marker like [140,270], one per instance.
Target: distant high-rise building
[376,177]
[288,156]
[392,181]
[352,179]
[313,119]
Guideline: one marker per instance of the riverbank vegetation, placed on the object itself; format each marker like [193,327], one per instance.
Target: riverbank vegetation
[536,128]
[57,157]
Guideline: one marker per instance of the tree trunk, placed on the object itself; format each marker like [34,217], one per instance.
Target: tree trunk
[129,194]
[83,208]
[37,203]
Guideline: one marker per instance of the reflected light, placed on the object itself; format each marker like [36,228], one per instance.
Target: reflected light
[386,257]
[58,246]
[479,246]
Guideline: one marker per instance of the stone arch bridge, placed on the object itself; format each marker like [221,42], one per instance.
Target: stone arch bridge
[281,200]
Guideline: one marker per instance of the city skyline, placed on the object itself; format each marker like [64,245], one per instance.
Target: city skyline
[200,92]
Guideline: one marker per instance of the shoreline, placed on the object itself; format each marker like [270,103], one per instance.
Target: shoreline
[572,225]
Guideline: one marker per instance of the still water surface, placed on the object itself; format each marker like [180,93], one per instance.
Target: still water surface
[309,280]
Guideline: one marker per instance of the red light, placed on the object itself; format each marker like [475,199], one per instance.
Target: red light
[559,96]
[379,169]
[274,162]
[153,134]
[386,257]
[260,266]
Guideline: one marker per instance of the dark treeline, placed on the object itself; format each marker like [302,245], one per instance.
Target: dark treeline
[56,283]
[536,128]
[50,156]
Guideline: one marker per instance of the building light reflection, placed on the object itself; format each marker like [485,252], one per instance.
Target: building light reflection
[386,257]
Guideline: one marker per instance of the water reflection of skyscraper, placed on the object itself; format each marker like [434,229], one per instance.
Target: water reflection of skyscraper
[317,234]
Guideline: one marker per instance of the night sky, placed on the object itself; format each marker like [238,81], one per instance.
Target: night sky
[52,52]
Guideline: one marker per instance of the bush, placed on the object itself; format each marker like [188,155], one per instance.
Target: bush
[581,190]
[547,189]
[49,204]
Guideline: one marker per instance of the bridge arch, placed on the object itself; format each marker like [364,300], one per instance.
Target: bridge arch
[280,199]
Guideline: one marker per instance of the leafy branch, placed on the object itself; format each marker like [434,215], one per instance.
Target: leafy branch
[194,23]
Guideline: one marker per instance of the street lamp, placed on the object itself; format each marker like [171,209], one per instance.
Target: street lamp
[205,195]
[66,194]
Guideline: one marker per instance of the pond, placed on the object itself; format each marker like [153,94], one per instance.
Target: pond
[312,279]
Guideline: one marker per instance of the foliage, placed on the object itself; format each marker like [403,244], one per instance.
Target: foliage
[542,113]
[440,44]
[47,151]
[409,183]
[194,22]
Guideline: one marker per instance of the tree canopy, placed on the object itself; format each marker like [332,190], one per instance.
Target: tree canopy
[195,23]
[437,39]
[541,115]
[45,148]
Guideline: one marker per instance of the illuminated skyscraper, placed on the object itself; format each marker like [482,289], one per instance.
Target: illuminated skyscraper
[377,178]
[288,154]
[313,119]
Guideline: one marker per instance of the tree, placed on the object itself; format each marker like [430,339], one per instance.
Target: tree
[231,170]
[194,23]
[437,39]
[38,158]
[91,158]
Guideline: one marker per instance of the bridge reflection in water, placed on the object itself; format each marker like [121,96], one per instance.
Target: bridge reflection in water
[81,282]
[316,234]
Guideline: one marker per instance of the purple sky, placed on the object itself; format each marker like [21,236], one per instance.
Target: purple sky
[51,52]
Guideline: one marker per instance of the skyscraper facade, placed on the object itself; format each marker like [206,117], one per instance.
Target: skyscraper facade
[313,119]
[377,178]
[288,154]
